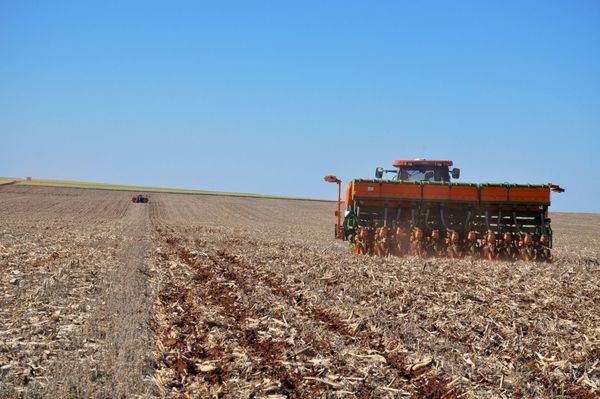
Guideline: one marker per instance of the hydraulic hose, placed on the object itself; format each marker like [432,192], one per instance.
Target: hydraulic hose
[442,218]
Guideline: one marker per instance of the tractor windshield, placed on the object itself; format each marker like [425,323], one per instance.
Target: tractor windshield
[423,173]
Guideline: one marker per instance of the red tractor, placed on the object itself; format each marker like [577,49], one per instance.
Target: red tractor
[139,199]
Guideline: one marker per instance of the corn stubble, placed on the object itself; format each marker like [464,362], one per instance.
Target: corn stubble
[235,297]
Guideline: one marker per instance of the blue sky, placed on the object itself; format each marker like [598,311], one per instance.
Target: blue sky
[270,96]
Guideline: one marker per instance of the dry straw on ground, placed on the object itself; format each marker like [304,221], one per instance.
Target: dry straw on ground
[234,297]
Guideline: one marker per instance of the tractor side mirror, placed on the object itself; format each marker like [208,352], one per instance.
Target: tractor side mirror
[379,173]
[455,173]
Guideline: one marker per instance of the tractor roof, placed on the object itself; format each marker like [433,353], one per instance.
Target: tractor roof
[421,162]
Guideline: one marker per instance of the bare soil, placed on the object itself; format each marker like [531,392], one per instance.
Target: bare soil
[207,296]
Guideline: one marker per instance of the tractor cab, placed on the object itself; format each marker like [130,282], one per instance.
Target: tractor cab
[421,170]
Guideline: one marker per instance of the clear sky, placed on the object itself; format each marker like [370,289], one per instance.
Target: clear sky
[270,96]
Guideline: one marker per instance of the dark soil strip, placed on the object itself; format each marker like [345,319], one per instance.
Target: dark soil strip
[433,387]
[266,354]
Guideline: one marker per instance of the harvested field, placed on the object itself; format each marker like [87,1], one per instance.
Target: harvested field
[209,296]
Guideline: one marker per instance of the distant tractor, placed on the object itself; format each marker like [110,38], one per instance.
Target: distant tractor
[421,212]
[139,199]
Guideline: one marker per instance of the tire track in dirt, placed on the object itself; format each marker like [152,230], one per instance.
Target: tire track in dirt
[129,309]
[120,324]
